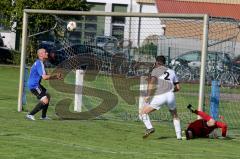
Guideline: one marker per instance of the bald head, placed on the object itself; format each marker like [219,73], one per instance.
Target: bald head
[42,54]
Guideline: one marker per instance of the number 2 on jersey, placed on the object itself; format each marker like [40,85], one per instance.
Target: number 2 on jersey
[167,75]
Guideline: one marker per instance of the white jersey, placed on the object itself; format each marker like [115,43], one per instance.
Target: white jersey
[166,79]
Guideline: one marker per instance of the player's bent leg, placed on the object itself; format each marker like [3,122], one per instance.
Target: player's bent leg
[176,123]
[44,100]
[145,117]
[173,113]
[148,132]
[204,115]
[147,110]
[37,108]
[146,120]
[48,96]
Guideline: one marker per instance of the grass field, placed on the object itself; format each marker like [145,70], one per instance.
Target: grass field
[94,139]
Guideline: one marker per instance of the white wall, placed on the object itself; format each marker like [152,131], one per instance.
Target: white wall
[9,39]
[237,49]
[113,1]
[149,26]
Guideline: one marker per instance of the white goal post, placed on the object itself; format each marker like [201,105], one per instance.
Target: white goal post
[203,17]
[78,90]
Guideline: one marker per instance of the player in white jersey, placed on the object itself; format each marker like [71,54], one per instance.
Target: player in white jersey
[162,84]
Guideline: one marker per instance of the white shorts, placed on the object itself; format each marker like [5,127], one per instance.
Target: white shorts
[167,98]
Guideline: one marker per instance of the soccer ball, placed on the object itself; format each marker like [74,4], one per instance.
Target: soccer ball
[71,25]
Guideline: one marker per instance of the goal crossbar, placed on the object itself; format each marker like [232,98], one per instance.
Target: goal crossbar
[101,13]
[203,17]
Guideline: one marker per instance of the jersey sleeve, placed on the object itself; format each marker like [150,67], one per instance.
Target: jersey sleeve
[40,68]
[154,73]
[175,78]
[223,126]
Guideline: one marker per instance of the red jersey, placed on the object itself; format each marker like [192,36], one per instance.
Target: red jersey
[199,128]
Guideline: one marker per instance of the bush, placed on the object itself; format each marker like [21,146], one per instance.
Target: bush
[148,49]
[16,57]
[8,56]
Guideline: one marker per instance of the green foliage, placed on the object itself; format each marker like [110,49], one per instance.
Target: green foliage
[6,12]
[16,57]
[14,13]
[36,22]
[149,49]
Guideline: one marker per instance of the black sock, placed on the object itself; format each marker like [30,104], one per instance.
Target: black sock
[44,111]
[37,108]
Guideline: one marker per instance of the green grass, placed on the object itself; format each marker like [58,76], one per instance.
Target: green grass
[96,139]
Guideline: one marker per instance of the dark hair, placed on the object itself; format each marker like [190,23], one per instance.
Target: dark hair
[187,134]
[161,59]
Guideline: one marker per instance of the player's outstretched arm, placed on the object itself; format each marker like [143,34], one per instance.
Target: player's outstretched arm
[223,126]
[190,108]
[53,76]
[176,88]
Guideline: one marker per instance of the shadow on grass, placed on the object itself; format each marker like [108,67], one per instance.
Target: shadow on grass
[164,138]
[8,98]
[9,134]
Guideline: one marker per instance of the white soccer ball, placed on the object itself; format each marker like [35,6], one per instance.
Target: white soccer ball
[71,25]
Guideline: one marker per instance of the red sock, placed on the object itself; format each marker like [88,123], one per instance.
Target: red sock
[205,116]
[223,126]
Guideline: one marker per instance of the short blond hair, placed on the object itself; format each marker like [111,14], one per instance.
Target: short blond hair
[40,50]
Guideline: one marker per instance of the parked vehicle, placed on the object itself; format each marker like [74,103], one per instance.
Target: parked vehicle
[1,41]
[5,53]
[219,66]
[107,60]
[107,42]
[66,52]
[193,58]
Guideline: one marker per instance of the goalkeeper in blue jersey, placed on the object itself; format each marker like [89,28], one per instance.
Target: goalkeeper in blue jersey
[37,73]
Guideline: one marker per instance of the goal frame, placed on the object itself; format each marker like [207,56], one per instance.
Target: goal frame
[204,17]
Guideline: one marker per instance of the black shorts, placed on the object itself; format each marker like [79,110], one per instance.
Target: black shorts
[39,92]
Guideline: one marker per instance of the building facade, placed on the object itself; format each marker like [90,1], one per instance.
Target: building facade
[127,28]
[214,8]
[120,27]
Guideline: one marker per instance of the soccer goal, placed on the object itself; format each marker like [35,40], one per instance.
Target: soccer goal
[105,58]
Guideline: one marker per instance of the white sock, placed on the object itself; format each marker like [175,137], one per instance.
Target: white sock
[177,126]
[146,120]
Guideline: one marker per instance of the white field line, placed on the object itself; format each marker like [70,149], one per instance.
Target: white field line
[100,149]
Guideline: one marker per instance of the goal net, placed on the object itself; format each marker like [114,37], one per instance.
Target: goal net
[112,52]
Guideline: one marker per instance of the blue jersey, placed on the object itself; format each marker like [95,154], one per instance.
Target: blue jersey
[36,73]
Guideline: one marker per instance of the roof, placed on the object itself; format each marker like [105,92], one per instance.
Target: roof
[190,7]
[146,1]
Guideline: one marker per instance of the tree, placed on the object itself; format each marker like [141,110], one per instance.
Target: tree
[12,12]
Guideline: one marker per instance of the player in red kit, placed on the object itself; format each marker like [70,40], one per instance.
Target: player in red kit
[201,128]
